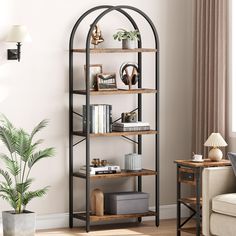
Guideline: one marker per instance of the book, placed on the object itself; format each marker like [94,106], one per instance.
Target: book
[111,169]
[100,118]
[129,129]
[131,124]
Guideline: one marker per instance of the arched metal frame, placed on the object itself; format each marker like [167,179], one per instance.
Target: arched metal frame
[109,9]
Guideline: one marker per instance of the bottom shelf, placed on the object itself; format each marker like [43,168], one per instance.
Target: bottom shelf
[93,218]
[189,230]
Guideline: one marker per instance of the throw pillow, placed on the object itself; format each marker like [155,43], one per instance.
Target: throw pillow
[232,158]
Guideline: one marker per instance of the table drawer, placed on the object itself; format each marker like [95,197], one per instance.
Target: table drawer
[187,176]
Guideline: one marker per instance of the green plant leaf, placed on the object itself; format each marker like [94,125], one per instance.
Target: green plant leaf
[48,152]
[5,122]
[40,126]
[28,196]
[8,138]
[12,165]
[23,187]
[6,177]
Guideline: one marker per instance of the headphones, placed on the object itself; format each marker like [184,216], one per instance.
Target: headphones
[129,78]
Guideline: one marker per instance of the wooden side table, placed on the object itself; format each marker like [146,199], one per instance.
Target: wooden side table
[190,172]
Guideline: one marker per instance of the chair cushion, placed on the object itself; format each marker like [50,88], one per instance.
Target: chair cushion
[225,204]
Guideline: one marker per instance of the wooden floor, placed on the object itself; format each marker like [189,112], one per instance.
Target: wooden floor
[166,228]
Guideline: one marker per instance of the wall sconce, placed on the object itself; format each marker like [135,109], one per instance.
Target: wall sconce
[17,34]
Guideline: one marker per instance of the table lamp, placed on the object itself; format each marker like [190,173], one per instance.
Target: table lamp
[215,140]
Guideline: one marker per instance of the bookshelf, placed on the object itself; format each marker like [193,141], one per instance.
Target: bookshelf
[86,135]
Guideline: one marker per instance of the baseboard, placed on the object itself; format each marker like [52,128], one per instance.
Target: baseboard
[52,221]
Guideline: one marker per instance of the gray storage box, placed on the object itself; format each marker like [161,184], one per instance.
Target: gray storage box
[126,203]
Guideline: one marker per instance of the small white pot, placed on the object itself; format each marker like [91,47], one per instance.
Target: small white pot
[18,224]
[128,44]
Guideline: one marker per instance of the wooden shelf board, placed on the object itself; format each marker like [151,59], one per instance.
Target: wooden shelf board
[114,50]
[123,173]
[80,133]
[189,230]
[190,200]
[205,163]
[82,216]
[117,92]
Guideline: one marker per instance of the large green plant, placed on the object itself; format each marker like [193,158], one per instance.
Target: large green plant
[21,156]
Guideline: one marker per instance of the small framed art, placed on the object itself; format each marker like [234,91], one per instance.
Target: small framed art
[94,70]
[106,81]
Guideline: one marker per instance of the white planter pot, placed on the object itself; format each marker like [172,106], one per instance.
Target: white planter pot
[128,44]
[18,224]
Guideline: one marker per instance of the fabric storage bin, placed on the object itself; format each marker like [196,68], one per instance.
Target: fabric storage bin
[126,203]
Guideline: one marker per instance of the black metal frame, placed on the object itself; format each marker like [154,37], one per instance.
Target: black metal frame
[108,9]
[196,212]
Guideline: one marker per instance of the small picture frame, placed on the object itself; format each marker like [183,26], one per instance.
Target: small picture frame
[106,81]
[94,70]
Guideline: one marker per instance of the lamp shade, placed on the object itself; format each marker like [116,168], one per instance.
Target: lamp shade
[215,140]
[18,33]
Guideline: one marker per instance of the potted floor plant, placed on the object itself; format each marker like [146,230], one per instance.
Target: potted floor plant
[128,38]
[20,157]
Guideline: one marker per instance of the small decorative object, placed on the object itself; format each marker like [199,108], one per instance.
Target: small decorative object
[215,140]
[96,36]
[129,73]
[197,158]
[97,162]
[94,70]
[97,202]
[128,38]
[133,162]
[106,81]
[127,117]
[15,185]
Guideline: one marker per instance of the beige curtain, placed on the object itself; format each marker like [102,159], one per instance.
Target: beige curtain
[210,74]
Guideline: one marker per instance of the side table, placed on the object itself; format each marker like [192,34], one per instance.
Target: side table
[189,172]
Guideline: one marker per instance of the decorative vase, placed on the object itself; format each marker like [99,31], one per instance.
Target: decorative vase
[133,162]
[97,202]
[18,224]
[128,44]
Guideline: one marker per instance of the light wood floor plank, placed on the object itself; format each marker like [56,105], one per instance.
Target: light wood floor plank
[166,228]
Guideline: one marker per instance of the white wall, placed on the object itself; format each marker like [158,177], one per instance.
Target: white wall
[37,88]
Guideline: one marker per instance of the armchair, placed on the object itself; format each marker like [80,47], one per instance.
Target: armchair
[219,207]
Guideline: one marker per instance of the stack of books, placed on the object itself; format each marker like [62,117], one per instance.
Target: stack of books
[100,118]
[111,169]
[131,126]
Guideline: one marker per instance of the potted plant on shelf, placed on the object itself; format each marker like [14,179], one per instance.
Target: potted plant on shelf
[128,38]
[20,158]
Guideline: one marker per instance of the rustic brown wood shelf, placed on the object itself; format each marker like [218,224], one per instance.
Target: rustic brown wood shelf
[117,92]
[80,133]
[82,216]
[123,173]
[114,50]
[190,200]
[189,230]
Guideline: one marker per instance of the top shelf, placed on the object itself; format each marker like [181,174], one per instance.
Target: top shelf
[114,50]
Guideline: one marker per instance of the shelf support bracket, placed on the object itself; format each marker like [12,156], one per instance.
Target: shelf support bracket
[76,113]
[79,142]
[133,141]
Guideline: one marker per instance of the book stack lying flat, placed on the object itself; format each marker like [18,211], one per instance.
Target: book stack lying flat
[131,126]
[100,118]
[111,169]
